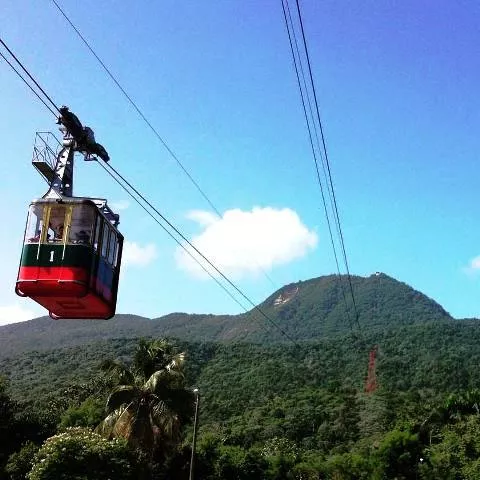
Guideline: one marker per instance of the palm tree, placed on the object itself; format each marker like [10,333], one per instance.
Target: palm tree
[149,404]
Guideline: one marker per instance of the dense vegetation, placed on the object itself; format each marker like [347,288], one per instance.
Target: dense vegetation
[267,410]
[317,311]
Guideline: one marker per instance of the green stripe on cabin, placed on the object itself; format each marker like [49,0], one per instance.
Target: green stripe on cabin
[51,255]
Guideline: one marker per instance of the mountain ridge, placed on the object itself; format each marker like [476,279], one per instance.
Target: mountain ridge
[305,310]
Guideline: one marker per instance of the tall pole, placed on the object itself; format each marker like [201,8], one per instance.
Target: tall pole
[195,423]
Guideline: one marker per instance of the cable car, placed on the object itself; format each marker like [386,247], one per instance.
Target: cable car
[71,257]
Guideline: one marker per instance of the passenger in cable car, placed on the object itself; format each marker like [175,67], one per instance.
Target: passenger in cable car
[54,234]
[59,235]
[36,238]
[82,223]
[82,237]
[76,276]
[56,224]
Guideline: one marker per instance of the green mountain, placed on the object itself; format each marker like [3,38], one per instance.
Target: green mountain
[265,401]
[323,307]
[308,310]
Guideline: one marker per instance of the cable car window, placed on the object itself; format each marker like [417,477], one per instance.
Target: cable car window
[112,248]
[98,229]
[117,248]
[56,224]
[33,232]
[105,240]
[82,224]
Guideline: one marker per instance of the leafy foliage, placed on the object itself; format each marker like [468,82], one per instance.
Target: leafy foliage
[317,311]
[21,462]
[268,410]
[88,414]
[149,404]
[81,454]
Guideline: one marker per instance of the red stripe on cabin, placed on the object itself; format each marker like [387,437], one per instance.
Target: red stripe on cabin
[53,273]
[53,281]
[65,292]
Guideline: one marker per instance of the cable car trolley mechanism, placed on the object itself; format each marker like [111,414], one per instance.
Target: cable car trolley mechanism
[72,248]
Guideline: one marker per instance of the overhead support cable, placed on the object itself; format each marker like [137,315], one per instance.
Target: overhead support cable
[315,127]
[310,109]
[149,124]
[137,109]
[29,75]
[299,73]
[200,254]
[342,242]
[160,224]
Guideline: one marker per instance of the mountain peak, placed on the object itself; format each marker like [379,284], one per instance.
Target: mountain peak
[324,306]
[310,309]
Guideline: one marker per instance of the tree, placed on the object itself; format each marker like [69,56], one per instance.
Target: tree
[82,454]
[349,466]
[457,453]
[7,425]
[150,403]
[88,414]
[399,454]
[21,462]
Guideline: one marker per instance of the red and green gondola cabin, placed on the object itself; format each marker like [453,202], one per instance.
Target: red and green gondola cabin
[71,259]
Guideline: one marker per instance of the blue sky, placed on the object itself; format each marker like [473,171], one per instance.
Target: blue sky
[398,89]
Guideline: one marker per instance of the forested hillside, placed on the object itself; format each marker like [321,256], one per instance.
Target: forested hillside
[305,310]
[305,402]
[270,409]
[434,358]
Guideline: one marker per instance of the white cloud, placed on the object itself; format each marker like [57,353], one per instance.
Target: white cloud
[120,205]
[202,218]
[247,242]
[473,266]
[15,313]
[135,254]
[475,263]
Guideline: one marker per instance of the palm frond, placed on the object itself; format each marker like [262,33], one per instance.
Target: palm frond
[106,426]
[149,405]
[181,401]
[121,395]
[123,426]
[177,362]
[167,421]
[142,430]
[118,370]
[161,377]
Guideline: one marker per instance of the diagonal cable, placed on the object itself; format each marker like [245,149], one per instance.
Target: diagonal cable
[27,84]
[206,259]
[149,124]
[180,244]
[28,73]
[103,165]
[178,232]
[327,162]
[298,73]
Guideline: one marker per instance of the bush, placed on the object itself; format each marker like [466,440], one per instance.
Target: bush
[88,414]
[21,462]
[81,454]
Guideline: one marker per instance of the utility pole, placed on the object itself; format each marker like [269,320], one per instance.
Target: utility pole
[195,423]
